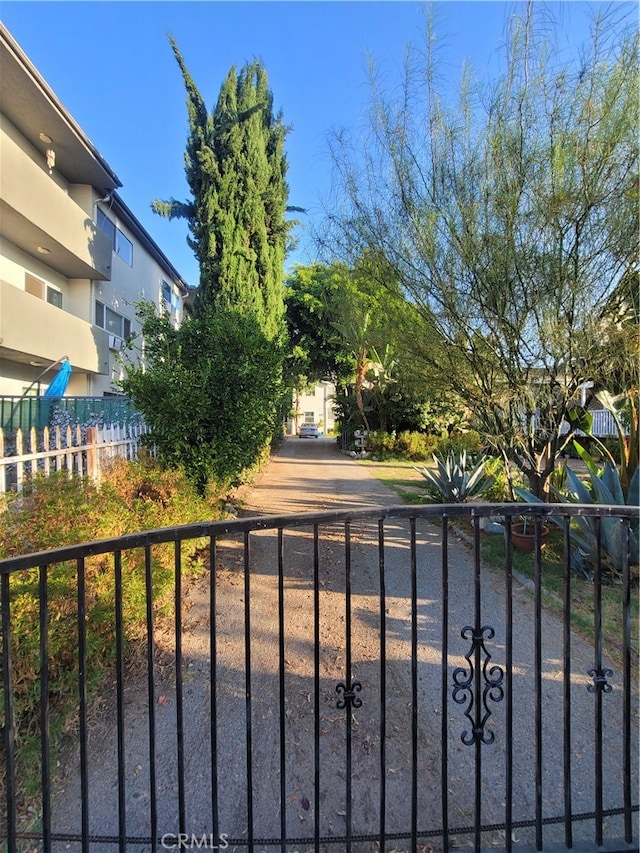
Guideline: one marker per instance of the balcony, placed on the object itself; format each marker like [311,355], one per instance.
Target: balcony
[36,211]
[25,317]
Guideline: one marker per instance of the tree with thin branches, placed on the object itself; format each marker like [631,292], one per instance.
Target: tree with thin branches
[510,218]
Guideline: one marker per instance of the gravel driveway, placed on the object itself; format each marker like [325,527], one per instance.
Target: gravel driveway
[311,475]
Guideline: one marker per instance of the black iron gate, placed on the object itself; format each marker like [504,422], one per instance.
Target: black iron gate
[347,681]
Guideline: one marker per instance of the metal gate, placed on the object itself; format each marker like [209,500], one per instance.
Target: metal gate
[339,681]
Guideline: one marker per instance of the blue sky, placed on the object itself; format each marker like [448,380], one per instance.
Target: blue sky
[111,65]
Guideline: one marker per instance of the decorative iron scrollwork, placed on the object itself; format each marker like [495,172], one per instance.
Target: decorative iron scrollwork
[349,694]
[491,689]
[600,683]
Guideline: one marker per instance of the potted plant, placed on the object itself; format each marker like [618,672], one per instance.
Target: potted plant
[523,535]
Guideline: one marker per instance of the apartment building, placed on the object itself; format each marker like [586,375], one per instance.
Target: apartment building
[314,405]
[74,259]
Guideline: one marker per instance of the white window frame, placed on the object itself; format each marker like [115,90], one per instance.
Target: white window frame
[117,324]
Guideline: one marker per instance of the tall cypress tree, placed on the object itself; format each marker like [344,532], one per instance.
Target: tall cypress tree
[236,169]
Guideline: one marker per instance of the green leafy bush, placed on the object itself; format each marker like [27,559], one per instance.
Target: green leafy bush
[420,446]
[210,391]
[415,446]
[499,491]
[57,511]
[382,445]
[457,443]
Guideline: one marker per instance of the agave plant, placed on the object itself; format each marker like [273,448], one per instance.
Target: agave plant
[619,407]
[604,487]
[453,481]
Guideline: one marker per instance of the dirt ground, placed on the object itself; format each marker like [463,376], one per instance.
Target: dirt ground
[340,785]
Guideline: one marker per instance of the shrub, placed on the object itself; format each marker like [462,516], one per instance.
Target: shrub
[499,491]
[416,446]
[382,444]
[210,391]
[56,511]
[460,442]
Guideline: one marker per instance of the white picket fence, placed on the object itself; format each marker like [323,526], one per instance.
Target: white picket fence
[74,450]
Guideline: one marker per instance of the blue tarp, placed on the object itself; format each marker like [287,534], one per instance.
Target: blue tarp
[60,381]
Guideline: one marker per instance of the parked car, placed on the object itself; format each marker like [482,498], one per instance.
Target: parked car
[308,431]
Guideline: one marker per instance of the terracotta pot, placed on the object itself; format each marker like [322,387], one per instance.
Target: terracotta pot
[527,541]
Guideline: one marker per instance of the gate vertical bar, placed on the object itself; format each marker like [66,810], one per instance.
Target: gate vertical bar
[477,675]
[383,683]
[316,689]
[9,732]
[568,825]
[537,569]
[119,631]
[626,612]
[247,678]
[281,665]
[508,817]
[213,651]
[414,688]
[82,703]
[599,685]
[444,689]
[44,706]
[182,821]
[153,805]
[348,674]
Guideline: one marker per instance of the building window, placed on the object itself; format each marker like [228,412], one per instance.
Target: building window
[124,248]
[170,301]
[54,297]
[170,298]
[106,225]
[112,322]
[121,245]
[309,418]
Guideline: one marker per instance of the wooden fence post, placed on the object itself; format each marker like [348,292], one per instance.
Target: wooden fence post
[33,448]
[45,448]
[93,456]
[69,453]
[19,463]
[58,445]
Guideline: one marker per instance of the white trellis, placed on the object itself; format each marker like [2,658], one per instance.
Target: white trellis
[65,449]
[603,425]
